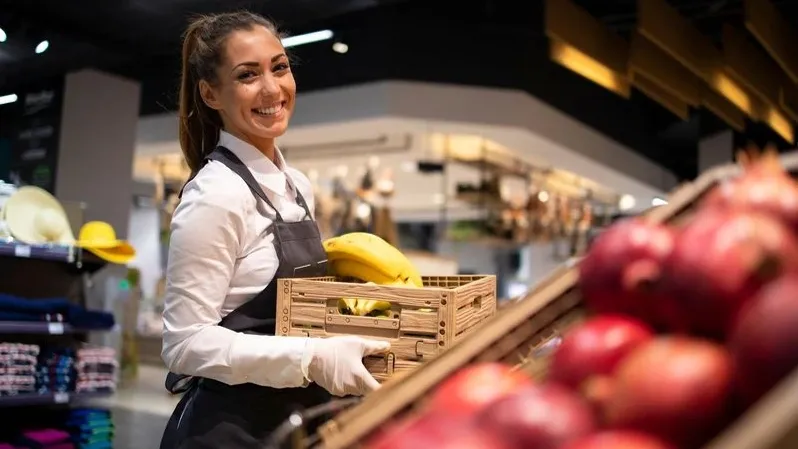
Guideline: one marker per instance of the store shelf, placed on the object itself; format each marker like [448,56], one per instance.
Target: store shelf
[58,253]
[500,165]
[42,328]
[32,399]
[84,260]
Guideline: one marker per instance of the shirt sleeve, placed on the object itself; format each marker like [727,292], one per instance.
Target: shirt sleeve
[204,244]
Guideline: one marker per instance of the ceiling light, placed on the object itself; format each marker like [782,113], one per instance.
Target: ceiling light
[308,38]
[340,47]
[6,99]
[3,35]
[627,202]
[658,202]
[42,47]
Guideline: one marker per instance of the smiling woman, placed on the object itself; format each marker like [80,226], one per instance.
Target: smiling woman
[245,220]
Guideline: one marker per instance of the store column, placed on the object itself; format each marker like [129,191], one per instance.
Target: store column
[100,114]
[714,150]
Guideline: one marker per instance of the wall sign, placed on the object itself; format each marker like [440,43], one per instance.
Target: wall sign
[32,125]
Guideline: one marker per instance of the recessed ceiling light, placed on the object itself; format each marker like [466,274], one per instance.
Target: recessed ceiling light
[307,38]
[3,35]
[42,47]
[340,47]
[6,99]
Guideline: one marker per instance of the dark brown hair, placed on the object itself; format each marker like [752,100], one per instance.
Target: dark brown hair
[203,52]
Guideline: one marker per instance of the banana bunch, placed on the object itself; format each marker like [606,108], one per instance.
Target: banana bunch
[371,259]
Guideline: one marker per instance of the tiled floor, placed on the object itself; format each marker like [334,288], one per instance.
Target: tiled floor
[140,410]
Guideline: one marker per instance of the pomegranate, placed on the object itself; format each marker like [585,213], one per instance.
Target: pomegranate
[721,258]
[474,387]
[619,440]
[620,272]
[764,186]
[540,416]
[595,347]
[438,431]
[676,388]
[763,342]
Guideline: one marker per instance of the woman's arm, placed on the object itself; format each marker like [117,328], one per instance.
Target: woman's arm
[203,248]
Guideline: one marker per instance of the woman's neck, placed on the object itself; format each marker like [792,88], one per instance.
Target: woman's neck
[264,145]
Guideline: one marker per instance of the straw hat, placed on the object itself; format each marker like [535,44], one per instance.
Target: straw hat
[34,216]
[99,238]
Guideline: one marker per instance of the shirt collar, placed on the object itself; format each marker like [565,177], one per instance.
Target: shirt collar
[265,171]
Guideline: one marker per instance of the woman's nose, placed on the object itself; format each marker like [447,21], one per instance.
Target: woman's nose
[270,86]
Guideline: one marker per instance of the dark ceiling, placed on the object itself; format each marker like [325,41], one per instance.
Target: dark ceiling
[476,42]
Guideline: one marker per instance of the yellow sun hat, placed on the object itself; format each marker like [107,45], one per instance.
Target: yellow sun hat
[99,238]
[34,216]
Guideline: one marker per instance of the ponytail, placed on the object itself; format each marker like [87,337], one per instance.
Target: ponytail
[197,129]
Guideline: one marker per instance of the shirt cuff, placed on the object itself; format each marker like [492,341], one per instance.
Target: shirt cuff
[271,361]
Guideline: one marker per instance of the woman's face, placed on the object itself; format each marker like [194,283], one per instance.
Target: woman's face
[256,90]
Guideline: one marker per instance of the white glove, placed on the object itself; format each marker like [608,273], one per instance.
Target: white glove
[336,364]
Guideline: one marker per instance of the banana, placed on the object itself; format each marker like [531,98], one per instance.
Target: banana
[356,269]
[372,307]
[348,306]
[370,258]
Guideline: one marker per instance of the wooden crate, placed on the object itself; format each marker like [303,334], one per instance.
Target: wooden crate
[423,323]
[517,331]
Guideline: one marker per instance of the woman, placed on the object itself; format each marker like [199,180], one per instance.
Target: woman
[245,219]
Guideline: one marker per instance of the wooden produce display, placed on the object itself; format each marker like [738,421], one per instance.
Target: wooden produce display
[518,332]
[422,323]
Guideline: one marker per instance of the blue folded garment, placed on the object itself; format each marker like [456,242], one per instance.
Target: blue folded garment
[75,314]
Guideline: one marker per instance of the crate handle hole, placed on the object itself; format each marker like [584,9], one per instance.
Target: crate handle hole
[477,302]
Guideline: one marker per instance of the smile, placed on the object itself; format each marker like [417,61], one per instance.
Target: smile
[271,110]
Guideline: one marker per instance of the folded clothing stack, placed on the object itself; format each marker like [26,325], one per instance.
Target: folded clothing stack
[96,369]
[56,370]
[45,439]
[15,308]
[91,428]
[17,368]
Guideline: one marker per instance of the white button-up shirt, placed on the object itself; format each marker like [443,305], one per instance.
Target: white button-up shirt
[221,254]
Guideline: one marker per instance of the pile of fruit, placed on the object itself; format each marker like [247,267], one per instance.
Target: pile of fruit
[370,259]
[690,325]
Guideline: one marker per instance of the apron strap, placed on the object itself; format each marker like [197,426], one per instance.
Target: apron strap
[235,164]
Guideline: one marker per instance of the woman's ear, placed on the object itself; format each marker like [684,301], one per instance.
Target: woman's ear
[209,95]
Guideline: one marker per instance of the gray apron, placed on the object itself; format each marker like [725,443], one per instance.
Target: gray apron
[215,415]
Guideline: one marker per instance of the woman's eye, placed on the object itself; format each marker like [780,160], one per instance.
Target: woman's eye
[280,67]
[246,75]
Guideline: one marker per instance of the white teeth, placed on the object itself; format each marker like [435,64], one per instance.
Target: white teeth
[270,111]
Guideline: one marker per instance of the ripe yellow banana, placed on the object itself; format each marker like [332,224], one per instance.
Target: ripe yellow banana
[372,307]
[348,306]
[364,272]
[370,258]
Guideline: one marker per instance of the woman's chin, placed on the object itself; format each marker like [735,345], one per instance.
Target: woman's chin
[271,131]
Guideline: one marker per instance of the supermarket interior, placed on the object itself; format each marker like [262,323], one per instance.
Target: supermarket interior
[460,224]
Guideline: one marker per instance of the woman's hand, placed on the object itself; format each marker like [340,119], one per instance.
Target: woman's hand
[336,364]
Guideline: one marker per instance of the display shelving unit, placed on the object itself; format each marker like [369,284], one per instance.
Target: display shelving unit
[45,271]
